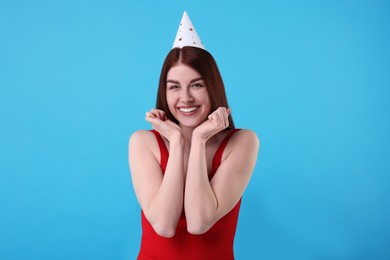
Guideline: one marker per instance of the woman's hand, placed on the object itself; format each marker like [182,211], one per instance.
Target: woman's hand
[217,121]
[163,125]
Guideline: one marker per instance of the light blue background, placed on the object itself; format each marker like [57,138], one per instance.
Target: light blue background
[310,77]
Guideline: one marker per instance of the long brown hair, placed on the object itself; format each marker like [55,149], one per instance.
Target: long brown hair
[203,62]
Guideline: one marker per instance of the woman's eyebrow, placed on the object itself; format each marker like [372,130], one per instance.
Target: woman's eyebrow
[197,79]
[177,82]
[173,81]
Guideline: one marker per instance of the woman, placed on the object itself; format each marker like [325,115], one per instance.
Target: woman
[190,172]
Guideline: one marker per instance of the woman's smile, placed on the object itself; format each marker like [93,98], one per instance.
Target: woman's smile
[188,110]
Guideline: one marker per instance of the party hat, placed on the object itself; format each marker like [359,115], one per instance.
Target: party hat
[186,34]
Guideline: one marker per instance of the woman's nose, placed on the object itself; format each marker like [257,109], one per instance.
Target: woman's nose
[187,96]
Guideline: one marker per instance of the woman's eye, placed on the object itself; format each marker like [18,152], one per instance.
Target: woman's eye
[174,87]
[197,85]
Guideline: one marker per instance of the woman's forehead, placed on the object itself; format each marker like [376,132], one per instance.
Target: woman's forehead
[183,72]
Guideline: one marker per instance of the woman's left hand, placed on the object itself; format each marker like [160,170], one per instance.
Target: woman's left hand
[217,121]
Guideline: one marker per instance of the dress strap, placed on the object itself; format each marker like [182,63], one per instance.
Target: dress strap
[218,154]
[163,149]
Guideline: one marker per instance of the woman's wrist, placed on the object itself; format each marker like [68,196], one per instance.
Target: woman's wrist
[198,138]
[177,141]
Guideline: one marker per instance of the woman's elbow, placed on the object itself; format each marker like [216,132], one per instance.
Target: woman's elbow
[198,228]
[165,231]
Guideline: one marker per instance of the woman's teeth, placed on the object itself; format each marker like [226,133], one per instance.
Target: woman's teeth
[187,109]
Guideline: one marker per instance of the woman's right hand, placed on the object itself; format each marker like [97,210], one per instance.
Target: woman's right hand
[163,125]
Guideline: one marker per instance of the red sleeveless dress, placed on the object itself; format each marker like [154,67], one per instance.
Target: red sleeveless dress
[216,243]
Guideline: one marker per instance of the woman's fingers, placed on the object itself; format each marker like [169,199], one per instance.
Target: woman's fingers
[161,114]
[156,113]
[221,117]
[226,117]
[154,117]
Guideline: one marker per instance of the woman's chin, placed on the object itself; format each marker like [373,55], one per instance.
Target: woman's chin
[190,123]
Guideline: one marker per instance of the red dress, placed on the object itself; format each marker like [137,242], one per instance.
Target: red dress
[216,243]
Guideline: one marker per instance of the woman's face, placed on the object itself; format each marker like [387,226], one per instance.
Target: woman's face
[187,96]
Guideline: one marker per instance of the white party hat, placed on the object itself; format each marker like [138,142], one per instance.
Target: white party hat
[186,34]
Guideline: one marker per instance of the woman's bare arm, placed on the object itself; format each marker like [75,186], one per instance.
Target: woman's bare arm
[207,201]
[160,196]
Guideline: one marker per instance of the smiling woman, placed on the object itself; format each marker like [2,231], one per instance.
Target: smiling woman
[190,172]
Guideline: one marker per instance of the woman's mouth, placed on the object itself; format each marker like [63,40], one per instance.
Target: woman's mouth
[188,109]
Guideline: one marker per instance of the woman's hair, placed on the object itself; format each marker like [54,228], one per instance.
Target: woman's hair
[201,61]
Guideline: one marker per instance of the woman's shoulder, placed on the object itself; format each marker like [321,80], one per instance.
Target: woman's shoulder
[246,134]
[142,136]
[243,145]
[245,138]
[144,141]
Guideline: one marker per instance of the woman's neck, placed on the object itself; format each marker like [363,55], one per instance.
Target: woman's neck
[187,134]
